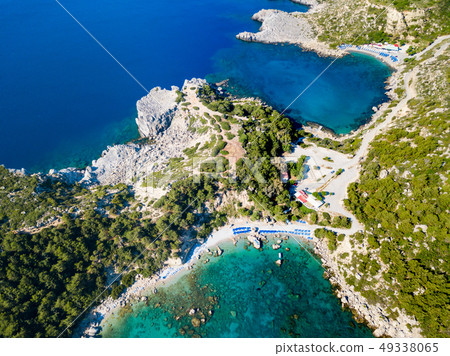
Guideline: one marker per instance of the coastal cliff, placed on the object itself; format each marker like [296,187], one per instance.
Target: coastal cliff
[160,119]
[156,111]
[282,27]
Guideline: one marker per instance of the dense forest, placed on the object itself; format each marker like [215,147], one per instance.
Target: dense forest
[403,199]
[49,277]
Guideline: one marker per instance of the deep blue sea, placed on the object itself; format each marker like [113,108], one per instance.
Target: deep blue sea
[64,99]
[243,293]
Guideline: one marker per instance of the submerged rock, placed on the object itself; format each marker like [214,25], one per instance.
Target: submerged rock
[195,322]
[255,241]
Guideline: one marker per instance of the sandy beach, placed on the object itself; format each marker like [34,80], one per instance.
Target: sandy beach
[373,52]
[92,323]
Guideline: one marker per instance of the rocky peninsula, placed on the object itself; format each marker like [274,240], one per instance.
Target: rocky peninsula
[161,121]
[295,28]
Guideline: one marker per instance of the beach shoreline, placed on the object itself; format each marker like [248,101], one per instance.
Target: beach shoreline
[139,291]
[385,60]
[143,286]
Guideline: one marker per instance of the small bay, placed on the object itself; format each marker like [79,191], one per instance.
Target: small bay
[242,293]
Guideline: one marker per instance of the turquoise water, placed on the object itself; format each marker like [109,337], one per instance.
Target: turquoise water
[248,296]
[63,99]
[341,99]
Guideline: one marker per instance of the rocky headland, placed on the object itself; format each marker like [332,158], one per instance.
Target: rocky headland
[294,28]
[161,120]
[156,111]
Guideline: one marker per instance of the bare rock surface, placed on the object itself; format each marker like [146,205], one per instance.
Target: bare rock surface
[311,3]
[160,119]
[283,27]
[156,111]
[67,175]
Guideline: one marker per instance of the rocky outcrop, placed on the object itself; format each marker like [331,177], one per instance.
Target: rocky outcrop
[279,26]
[255,241]
[67,175]
[311,3]
[395,21]
[156,111]
[282,27]
[194,82]
[19,172]
[118,164]
[160,119]
[398,22]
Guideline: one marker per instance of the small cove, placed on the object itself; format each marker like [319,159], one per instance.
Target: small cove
[242,293]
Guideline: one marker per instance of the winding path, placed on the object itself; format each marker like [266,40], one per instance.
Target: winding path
[352,166]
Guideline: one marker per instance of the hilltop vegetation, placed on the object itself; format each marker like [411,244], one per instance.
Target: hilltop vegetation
[266,135]
[417,22]
[403,199]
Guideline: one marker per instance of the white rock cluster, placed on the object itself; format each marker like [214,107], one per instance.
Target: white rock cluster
[156,111]
[160,119]
[283,27]
[67,175]
[311,3]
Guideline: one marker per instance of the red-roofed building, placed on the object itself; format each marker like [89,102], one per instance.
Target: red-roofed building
[308,199]
[302,196]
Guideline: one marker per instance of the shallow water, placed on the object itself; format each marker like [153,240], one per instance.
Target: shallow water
[63,99]
[249,296]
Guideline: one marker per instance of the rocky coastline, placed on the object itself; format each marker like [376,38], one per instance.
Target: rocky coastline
[123,163]
[290,27]
[283,27]
[374,315]
[160,119]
